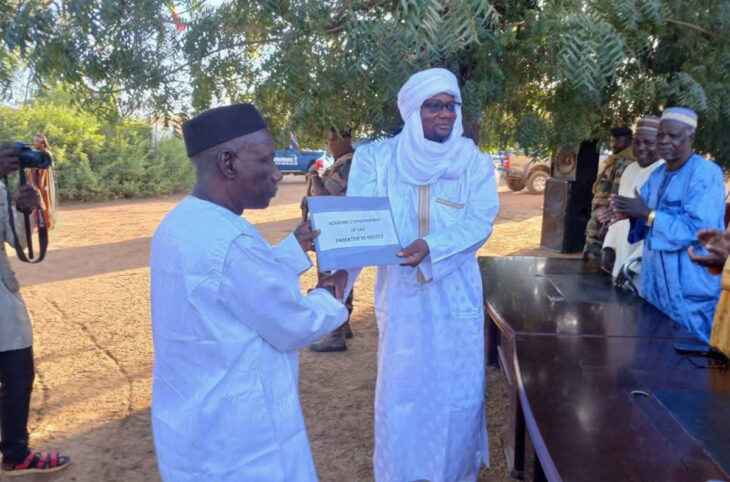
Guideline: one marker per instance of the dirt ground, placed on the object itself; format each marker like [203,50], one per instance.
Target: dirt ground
[89,301]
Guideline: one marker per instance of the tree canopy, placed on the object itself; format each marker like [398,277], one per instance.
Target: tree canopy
[534,73]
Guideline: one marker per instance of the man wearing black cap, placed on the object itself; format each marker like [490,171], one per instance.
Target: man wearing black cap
[607,183]
[228,316]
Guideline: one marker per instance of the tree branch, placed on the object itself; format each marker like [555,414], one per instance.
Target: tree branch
[338,23]
[696,27]
[213,52]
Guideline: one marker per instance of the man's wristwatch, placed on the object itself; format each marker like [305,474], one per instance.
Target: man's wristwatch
[650,219]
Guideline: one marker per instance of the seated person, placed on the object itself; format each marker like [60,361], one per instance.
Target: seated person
[680,198]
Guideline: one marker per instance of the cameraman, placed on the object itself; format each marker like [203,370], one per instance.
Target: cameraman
[16,339]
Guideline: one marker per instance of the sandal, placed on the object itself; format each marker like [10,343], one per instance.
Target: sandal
[37,462]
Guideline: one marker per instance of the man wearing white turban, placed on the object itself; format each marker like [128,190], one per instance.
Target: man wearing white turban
[429,401]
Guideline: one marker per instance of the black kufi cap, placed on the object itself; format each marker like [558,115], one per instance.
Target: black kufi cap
[621,132]
[219,125]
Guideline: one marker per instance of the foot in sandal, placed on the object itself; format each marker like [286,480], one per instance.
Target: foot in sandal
[36,462]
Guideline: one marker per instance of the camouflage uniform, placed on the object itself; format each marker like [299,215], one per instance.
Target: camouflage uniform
[607,183]
[334,181]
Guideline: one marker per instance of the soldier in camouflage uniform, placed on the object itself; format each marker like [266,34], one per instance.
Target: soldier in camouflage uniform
[607,183]
[333,182]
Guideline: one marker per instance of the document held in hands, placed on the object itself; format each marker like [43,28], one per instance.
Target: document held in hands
[354,232]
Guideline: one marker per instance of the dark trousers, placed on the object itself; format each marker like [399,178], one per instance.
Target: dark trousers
[348,301]
[16,380]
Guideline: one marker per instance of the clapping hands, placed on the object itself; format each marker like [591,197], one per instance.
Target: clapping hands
[630,207]
[611,215]
[718,246]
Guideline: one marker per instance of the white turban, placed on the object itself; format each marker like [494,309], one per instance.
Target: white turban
[419,160]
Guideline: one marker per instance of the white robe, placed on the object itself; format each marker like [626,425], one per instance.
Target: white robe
[429,401]
[228,317]
[634,176]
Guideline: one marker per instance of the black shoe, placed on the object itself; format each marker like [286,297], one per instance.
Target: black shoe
[335,341]
[346,330]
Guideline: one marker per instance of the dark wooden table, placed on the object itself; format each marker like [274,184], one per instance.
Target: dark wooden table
[555,299]
[552,296]
[592,413]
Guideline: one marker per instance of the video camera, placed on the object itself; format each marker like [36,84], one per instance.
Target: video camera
[30,158]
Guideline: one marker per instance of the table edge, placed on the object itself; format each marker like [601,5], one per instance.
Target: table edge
[546,461]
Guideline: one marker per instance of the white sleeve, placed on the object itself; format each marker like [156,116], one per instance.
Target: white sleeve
[362,181]
[264,293]
[449,248]
[611,240]
[290,252]
[626,188]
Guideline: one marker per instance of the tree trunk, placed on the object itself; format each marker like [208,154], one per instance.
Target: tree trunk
[471,130]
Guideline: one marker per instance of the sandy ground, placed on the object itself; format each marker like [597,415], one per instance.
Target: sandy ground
[89,301]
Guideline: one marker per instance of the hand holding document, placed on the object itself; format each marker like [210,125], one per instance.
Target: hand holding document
[305,236]
[414,253]
[354,232]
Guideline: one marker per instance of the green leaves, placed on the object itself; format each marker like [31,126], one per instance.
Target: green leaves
[590,52]
[537,74]
[684,90]
[442,29]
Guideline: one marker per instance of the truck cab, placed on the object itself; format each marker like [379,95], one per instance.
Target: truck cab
[294,160]
[526,171]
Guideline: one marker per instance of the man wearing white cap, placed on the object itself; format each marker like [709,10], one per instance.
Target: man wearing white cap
[429,401]
[682,197]
[616,247]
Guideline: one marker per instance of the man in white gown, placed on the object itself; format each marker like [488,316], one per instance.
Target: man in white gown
[228,316]
[429,401]
[616,247]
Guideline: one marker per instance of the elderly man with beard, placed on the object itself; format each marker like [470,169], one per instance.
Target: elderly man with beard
[616,247]
[429,401]
[682,197]
[228,316]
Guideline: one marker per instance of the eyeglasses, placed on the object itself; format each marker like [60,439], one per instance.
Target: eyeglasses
[436,106]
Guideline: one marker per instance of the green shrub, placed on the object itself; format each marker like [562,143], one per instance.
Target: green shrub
[172,171]
[94,161]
